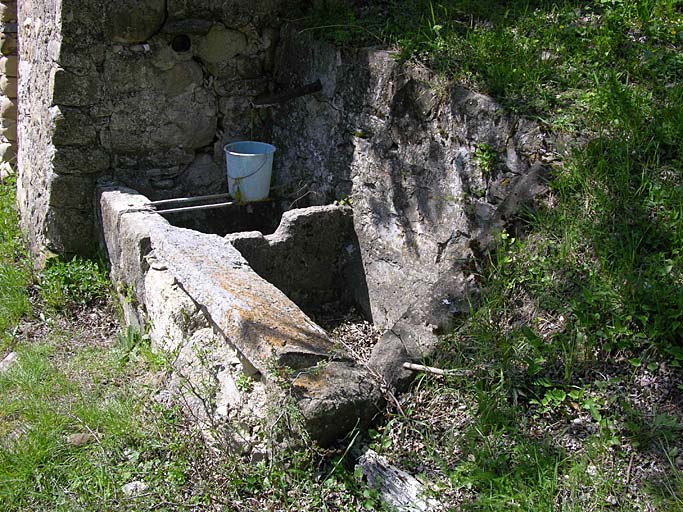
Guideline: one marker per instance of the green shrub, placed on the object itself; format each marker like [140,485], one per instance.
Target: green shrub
[68,284]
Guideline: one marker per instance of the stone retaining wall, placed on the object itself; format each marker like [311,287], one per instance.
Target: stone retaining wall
[8,87]
[433,171]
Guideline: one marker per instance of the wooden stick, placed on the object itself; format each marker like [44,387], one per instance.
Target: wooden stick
[436,371]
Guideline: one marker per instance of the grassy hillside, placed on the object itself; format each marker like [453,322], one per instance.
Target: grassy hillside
[578,342]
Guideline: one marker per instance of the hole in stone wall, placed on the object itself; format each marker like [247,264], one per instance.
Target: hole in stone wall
[181,43]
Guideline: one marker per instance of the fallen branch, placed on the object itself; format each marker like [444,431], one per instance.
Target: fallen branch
[437,371]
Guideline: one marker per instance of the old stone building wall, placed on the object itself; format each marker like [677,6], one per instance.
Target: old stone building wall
[39,33]
[8,87]
[143,93]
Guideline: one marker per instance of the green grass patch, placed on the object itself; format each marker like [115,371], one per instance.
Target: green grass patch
[65,285]
[595,284]
[77,425]
[15,267]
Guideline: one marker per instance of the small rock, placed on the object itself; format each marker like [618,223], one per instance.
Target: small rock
[134,488]
[8,361]
[80,439]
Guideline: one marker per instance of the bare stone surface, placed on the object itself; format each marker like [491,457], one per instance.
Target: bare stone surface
[307,256]
[259,319]
[134,21]
[126,224]
[8,361]
[37,67]
[219,47]
[402,147]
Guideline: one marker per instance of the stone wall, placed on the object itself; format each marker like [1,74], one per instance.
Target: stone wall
[144,93]
[39,33]
[8,87]
[432,171]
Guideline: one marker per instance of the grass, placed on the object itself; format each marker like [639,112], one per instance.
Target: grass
[593,283]
[57,392]
[14,268]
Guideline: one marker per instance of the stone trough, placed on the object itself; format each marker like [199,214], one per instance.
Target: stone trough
[147,94]
[224,311]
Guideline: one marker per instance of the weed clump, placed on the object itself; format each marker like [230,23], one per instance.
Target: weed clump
[65,285]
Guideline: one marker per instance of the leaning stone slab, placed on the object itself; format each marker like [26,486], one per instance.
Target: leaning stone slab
[290,351]
[254,315]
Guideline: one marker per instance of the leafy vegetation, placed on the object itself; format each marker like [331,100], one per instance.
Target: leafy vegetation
[65,285]
[14,267]
[586,303]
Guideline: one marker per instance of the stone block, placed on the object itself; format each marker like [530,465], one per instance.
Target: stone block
[70,231]
[156,107]
[182,78]
[267,327]
[219,47]
[8,65]
[6,170]
[9,360]
[173,315]
[8,12]
[134,21]
[8,108]
[80,160]
[126,224]
[8,86]
[71,191]
[188,26]
[304,256]
[249,66]
[8,44]
[8,129]
[72,127]
[8,152]
[74,90]
[203,176]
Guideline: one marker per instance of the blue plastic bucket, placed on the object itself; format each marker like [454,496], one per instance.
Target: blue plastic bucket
[249,166]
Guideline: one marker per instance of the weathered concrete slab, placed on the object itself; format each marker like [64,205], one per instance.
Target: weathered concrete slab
[254,315]
[127,222]
[308,257]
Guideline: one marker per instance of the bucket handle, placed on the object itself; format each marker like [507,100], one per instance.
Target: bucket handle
[239,178]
